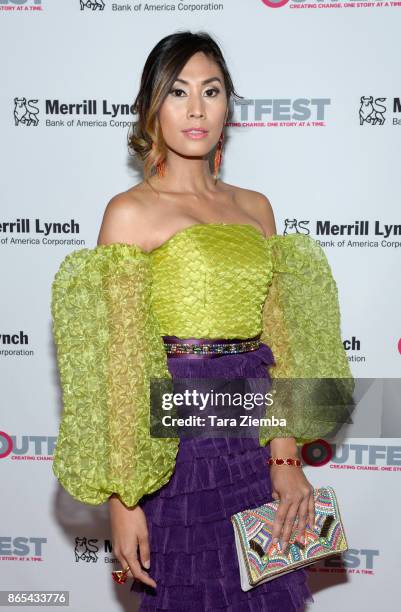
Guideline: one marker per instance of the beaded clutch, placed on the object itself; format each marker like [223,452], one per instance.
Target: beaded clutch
[261,560]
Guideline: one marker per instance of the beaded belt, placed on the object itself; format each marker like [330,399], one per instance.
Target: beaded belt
[205,347]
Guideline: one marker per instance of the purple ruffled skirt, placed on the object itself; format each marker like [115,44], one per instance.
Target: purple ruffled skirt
[193,557]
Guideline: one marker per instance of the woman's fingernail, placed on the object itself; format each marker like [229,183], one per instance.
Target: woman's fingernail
[275,540]
[146,564]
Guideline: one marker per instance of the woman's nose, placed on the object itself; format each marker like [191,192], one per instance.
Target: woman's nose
[195,108]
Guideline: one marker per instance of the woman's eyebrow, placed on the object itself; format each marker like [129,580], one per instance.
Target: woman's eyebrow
[202,82]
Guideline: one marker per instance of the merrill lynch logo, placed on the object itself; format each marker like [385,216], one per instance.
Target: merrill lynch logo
[371,111]
[292,226]
[86,550]
[92,4]
[24,111]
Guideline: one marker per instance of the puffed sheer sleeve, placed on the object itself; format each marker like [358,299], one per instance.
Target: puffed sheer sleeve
[312,384]
[108,348]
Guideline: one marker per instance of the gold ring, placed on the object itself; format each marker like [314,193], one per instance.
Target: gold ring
[120,576]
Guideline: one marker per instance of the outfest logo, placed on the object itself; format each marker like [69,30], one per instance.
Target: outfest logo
[25,447]
[329,4]
[356,456]
[21,5]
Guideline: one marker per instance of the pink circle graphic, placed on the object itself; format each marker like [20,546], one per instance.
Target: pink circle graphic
[317,453]
[272,4]
[9,444]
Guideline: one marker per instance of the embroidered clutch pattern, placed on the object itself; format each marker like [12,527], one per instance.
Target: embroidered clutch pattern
[261,560]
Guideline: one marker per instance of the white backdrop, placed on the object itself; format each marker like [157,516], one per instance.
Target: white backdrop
[319,135]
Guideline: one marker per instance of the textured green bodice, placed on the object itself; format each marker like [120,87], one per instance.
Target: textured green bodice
[209,281]
[111,305]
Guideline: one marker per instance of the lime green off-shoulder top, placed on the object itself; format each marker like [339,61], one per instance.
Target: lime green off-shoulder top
[110,307]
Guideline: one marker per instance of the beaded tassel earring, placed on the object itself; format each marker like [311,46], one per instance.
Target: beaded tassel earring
[161,168]
[218,156]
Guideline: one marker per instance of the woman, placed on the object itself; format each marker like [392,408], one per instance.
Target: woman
[184,258]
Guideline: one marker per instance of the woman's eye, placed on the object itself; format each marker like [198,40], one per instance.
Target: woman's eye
[176,89]
[213,89]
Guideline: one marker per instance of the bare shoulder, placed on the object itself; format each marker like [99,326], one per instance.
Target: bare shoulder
[258,206]
[264,210]
[123,219]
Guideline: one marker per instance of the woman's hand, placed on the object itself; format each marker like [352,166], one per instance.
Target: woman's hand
[295,493]
[129,530]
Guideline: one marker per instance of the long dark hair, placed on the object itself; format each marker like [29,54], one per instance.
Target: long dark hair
[161,69]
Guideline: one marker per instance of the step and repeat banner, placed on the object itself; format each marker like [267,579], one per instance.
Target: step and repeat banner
[318,131]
